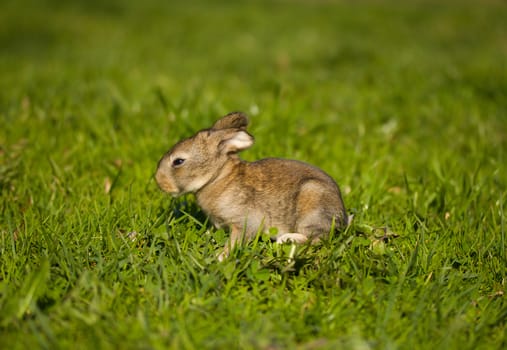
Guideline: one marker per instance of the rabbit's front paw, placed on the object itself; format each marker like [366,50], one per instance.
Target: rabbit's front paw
[223,255]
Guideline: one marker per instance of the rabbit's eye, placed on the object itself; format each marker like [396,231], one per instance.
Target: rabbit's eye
[178,161]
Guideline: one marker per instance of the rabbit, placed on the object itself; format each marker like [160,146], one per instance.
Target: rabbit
[298,199]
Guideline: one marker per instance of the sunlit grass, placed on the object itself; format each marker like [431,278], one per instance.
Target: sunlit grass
[402,103]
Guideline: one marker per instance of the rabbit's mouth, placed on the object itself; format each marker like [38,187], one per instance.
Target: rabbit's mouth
[166,185]
[170,190]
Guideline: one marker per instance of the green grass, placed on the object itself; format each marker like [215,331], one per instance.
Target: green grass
[403,103]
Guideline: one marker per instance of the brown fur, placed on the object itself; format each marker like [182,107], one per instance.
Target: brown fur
[300,200]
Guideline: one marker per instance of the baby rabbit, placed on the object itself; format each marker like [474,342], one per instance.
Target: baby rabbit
[300,200]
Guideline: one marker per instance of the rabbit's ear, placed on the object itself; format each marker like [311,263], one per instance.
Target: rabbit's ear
[234,120]
[236,142]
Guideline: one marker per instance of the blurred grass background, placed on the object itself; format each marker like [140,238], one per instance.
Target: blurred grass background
[402,102]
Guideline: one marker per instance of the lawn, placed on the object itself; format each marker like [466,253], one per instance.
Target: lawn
[404,103]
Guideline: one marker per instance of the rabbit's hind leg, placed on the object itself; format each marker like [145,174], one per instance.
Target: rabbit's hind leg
[291,237]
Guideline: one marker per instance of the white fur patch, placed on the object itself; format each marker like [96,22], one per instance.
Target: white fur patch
[196,185]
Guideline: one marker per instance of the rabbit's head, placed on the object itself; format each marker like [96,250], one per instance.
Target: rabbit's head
[194,162]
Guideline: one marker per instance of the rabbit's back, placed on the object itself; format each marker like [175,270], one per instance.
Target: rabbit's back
[273,192]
